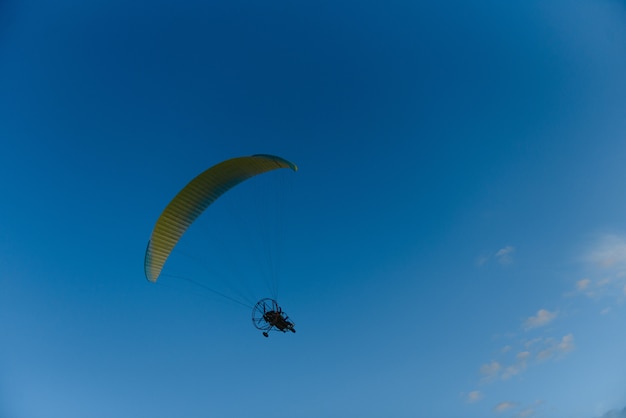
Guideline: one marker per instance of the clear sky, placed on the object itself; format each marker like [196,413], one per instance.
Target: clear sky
[456,231]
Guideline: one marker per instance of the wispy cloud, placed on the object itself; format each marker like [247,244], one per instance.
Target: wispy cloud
[524,410]
[566,344]
[605,259]
[512,370]
[532,342]
[557,348]
[521,362]
[529,410]
[504,406]
[609,251]
[505,255]
[582,284]
[532,352]
[604,279]
[525,413]
[612,286]
[605,262]
[474,396]
[543,317]
[490,370]
[482,260]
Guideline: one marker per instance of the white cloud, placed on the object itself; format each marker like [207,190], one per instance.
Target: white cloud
[490,370]
[608,252]
[532,342]
[529,410]
[583,284]
[482,260]
[543,317]
[605,310]
[566,344]
[525,412]
[512,370]
[554,348]
[503,406]
[545,354]
[518,367]
[612,272]
[505,255]
[606,259]
[533,352]
[611,286]
[474,396]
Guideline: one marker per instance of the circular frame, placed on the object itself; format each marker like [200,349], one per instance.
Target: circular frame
[260,309]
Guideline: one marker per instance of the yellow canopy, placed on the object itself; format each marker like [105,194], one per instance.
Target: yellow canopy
[195,197]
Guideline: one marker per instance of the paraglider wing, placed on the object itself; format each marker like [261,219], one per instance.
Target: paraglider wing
[192,200]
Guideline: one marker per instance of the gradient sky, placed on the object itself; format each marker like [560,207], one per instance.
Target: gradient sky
[457,230]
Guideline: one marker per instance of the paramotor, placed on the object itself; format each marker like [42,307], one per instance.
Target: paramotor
[191,202]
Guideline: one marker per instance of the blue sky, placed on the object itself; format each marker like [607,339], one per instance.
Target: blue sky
[457,240]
